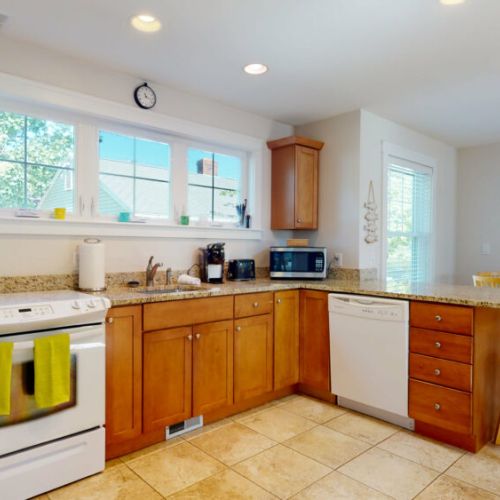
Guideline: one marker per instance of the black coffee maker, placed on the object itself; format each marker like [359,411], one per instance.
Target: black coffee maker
[212,266]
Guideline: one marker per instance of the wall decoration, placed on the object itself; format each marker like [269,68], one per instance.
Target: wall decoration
[371,216]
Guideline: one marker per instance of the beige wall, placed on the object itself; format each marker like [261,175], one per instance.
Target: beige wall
[338,185]
[43,254]
[478,211]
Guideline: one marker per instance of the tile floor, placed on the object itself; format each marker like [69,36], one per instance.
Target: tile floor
[298,448]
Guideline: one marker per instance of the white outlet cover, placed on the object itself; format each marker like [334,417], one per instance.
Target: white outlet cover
[485,249]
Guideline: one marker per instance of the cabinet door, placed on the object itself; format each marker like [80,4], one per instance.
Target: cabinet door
[253,356]
[306,188]
[286,338]
[314,340]
[167,377]
[212,366]
[123,374]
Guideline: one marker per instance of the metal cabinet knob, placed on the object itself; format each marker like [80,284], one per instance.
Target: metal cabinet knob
[437,406]
[437,371]
[238,328]
[299,220]
[198,335]
[438,345]
[109,320]
[190,337]
[279,301]
[438,318]
[256,304]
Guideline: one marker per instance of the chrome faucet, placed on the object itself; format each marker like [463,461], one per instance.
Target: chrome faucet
[151,271]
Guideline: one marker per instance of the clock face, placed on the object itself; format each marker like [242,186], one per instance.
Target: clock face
[144,96]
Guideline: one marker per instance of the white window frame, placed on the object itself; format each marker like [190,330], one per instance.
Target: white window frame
[423,163]
[88,115]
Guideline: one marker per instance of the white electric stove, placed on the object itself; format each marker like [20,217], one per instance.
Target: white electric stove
[42,449]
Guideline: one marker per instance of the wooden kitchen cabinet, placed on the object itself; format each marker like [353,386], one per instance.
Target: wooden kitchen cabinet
[294,183]
[123,374]
[212,366]
[167,377]
[253,356]
[314,341]
[286,338]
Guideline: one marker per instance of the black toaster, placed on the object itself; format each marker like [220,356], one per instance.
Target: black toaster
[241,270]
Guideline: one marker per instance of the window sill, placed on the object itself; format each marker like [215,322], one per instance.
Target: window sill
[82,227]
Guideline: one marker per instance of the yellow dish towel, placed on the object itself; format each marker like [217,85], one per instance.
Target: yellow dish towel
[52,370]
[6,349]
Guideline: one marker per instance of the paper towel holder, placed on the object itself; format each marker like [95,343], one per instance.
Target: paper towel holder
[98,242]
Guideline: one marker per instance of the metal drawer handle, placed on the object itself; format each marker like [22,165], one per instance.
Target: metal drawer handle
[438,318]
[438,345]
[190,337]
[198,335]
[437,406]
[256,304]
[437,371]
[238,328]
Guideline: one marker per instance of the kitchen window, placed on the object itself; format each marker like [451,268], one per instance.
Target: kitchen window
[134,176]
[37,158]
[408,220]
[215,182]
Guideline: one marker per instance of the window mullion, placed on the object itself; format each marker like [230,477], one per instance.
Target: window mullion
[87,170]
[178,180]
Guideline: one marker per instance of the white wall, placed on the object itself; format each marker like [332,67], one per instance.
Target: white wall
[374,131]
[478,211]
[338,185]
[23,255]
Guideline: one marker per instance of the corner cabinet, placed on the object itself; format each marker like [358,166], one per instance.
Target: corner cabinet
[294,184]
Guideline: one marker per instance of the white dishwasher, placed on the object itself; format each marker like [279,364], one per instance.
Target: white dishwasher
[369,355]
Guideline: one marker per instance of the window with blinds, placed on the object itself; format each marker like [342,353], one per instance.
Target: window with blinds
[408,221]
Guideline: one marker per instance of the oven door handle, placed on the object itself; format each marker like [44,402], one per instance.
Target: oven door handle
[76,341]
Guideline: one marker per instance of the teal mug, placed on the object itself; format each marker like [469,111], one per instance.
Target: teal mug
[124,217]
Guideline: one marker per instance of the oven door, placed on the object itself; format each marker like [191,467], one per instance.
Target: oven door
[29,426]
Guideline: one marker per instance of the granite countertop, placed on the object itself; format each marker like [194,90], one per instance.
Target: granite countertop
[449,294]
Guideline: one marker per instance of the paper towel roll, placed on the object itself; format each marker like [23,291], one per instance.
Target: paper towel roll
[91,267]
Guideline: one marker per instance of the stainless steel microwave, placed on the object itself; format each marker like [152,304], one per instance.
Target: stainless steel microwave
[298,262]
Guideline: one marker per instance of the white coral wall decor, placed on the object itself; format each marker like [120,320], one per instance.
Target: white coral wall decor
[371,217]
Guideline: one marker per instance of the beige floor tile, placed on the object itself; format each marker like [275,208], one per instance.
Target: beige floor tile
[481,470]
[253,411]
[362,427]
[227,485]
[232,443]
[175,468]
[390,474]
[327,446]
[151,449]
[337,486]
[113,463]
[312,409]
[277,424]
[424,451]
[206,428]
[282,471]
[119,482]
[448,488]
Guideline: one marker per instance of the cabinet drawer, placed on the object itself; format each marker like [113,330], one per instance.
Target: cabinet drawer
[251,304]
[441,345]
[161,315]
[441,371]
[445,318]
[439,406]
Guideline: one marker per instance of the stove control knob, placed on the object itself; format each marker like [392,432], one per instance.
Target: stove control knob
[75,305]
[91,304]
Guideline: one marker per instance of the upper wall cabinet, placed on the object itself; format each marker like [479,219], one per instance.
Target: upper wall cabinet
[294,192]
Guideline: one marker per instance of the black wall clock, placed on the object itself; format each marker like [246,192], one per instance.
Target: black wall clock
[144,96]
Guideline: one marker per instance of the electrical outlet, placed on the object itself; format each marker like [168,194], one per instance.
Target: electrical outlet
[485,249]
[337,259]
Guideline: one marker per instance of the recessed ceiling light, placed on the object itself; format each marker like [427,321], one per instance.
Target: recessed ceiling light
[452,2]
[255,69]
[145,22]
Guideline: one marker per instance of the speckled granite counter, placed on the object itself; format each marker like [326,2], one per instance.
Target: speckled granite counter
[450,294]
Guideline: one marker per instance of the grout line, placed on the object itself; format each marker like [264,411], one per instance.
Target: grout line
[144,481]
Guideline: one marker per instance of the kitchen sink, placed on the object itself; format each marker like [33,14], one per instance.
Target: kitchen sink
[172,289]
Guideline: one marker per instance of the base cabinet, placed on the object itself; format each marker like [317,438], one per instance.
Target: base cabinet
[314,340]
[123,374]
[286,338]
[167,377]
[253,356]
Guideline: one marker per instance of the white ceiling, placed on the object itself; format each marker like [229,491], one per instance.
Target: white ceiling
[430,67]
